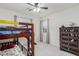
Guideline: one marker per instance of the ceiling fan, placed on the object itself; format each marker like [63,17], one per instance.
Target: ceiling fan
[37,7]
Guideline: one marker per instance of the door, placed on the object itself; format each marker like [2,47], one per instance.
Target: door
[44,31]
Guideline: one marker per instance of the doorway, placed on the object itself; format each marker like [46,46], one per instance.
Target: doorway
[44,31]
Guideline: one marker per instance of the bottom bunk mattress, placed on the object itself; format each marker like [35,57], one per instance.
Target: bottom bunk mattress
[16,51]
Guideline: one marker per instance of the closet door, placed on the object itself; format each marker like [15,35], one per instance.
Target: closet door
[44,31]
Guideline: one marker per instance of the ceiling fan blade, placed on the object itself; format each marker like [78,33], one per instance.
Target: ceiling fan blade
[30,9]
[30,4]
[44,7]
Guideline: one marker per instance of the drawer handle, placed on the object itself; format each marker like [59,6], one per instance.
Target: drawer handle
[72,40]
[71,34]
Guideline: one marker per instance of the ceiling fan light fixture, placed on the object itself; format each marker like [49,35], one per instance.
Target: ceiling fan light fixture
[36,9]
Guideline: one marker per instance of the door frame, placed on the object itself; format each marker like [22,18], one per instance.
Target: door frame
[48,33]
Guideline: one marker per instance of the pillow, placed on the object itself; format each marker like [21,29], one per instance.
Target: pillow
[7,47]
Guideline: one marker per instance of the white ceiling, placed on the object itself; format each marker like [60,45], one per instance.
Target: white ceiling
[23,8]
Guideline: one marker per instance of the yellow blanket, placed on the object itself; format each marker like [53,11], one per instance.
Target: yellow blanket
[8,22]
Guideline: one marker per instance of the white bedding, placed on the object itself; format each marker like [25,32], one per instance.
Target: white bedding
[16,51]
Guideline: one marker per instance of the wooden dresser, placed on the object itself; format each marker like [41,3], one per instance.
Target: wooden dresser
[69,39]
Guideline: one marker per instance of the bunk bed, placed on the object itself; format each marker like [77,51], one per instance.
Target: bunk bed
[23,30]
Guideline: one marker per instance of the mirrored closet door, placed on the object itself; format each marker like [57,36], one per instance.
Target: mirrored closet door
[44,31]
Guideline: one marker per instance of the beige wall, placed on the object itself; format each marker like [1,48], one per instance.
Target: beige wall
[56,20]
[36,22]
